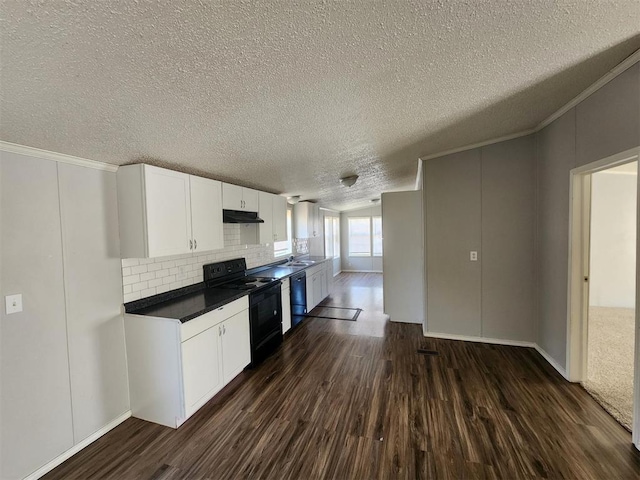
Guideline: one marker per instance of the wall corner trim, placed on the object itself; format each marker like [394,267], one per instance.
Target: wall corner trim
[78,446]
[56,157]
[552,362]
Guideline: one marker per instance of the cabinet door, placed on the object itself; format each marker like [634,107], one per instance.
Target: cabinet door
[236,347]
[201,372]
[317,288]
[323,284]
[310,303]
[168,207]
[265,212]
[279,218]
[231,197]
[302,220]
[329,267]
[250,199]
[286,310]
[206,214]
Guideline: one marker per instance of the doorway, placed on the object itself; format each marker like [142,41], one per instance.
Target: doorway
[611,312]
[603,337]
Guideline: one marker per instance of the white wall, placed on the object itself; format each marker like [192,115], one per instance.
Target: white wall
[360,264]
[613,238]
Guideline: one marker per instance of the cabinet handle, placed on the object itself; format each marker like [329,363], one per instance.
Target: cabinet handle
[224,330]
[195,244]
[190,244]
[219,332]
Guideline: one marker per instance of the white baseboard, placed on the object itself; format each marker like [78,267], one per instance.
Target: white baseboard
[361,271]
[466,338]
[499,341]
[552,362]
[79,446]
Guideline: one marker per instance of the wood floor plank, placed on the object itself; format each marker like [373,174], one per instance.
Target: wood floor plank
[355,400]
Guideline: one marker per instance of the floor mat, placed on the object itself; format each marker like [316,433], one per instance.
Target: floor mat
[335,313]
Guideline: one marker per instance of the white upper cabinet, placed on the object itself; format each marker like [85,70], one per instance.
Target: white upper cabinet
[280,218]
[307,219]
[156,212]
[265,212]
[273,210]
[250,199]
[239,198]
[206,214]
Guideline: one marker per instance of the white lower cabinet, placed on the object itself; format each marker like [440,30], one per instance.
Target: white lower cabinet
[236,346]
[286,305]
[201,372]
[175,368]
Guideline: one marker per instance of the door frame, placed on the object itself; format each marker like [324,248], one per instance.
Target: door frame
[578,285]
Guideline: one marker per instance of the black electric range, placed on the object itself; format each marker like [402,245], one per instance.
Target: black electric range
[265,303]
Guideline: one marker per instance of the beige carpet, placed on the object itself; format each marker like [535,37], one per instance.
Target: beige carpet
[610,360]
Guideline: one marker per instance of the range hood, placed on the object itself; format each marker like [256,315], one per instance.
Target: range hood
[240,216]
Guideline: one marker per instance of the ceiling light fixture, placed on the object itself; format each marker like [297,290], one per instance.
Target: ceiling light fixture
[349,181]
[294,199]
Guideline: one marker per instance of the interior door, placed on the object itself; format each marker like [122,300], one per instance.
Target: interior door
[206,214]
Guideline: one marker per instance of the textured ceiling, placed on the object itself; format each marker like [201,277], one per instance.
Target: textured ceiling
[289,96]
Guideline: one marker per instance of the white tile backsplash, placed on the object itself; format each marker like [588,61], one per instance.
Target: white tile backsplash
[144,277]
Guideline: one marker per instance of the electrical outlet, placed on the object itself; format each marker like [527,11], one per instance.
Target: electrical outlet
[473,256]
[13,303]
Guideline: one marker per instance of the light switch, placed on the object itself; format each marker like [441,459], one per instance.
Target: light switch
[13,303]
[473,256]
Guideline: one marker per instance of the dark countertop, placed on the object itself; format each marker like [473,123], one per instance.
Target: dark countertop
[280,271]
[192,305]
[187,303]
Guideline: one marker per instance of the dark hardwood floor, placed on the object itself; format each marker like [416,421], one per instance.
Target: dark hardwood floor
[354,400]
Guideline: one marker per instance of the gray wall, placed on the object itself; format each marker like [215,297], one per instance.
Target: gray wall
[483,200]
[606,123]
[63,365]
[35,411]
[361,264]
[93,288]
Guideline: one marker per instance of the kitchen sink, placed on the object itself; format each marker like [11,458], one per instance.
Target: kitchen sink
[299,264]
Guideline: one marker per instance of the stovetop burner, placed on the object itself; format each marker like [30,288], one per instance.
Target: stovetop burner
[231,275]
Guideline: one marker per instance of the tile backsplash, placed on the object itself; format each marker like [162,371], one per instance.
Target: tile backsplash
[144,277]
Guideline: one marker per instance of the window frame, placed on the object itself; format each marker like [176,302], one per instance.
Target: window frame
[287,244]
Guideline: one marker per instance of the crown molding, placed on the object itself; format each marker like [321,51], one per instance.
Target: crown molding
[523,133]
[56,157]
[623,66]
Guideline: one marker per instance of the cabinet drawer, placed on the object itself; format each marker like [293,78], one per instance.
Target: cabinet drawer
[315,269]
[209,319]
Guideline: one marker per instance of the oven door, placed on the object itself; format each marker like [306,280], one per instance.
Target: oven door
[265,317]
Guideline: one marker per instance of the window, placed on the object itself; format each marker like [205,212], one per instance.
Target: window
[360,236]
[365,236]
[377,236]
[332,236]
[283,248]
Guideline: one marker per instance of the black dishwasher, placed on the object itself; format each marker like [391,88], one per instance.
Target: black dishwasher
[298,297]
